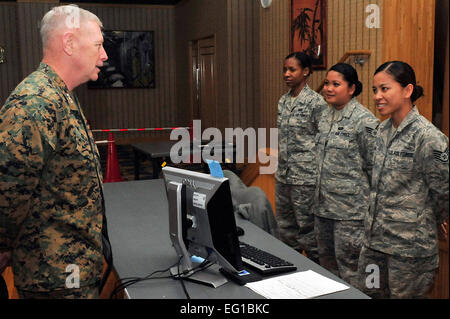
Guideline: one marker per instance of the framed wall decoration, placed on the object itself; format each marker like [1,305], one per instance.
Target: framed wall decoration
[308,30]
[131,62]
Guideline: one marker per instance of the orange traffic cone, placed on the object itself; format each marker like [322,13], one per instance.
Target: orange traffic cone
[112,163]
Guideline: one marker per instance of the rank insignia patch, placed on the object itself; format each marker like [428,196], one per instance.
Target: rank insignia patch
[371,131]
[441,156]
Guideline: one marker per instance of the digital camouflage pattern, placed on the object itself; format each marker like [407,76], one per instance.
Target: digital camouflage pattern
[296,172]
[345,149]
[395,276]
[409,197]
[295,218]
[339,244]
[50,185]
[297,128]
[87,292]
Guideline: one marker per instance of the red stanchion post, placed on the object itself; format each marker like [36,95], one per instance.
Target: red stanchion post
[112,163]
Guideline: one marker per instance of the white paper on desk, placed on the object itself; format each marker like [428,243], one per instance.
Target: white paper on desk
[299,285]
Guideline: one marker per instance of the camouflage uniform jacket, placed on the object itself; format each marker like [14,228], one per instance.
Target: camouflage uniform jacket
[297,125]
[409,197]
[50,185]
[345,148]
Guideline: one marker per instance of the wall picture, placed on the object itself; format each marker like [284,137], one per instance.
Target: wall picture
[308,30]
[130,61]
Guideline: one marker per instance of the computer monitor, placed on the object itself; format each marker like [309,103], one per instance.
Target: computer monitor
[202,223]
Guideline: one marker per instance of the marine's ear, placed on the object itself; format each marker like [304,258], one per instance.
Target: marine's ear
[68,39]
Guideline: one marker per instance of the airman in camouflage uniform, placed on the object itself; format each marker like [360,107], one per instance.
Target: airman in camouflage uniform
[345,147]
[296,173]
[51,197]
[409,201]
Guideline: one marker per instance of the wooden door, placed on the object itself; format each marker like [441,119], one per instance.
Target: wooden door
[204,82]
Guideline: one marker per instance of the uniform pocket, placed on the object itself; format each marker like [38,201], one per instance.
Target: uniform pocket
[399,226]
[338,143]
[341,187]
[400,214]
[404,164]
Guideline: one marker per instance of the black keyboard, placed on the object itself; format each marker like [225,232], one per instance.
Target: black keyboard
[264,262]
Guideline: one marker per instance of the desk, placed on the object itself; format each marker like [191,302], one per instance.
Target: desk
[138,225]
[159,151]
[155,151]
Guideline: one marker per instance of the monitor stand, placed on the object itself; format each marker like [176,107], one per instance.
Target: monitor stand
[210,276]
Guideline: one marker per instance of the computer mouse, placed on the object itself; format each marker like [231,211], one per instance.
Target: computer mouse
[239,231]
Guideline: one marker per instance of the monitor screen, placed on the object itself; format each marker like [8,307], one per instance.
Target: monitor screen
[201,217]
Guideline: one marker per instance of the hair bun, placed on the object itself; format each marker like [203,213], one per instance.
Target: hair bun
[417,93]
[358,88]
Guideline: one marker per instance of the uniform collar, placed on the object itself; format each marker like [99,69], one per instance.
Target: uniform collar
[410,117]
[347,111]
[303,92]
[45,68]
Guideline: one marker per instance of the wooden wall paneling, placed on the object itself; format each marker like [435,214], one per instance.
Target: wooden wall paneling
[230,45]
[195,20]
[409,36]
[371,64]
[347,31]
[358,30]
[234,97]
[274,46]
[378,56]
[241,110]
[29,16]
[243,62]
[252,63]
[168,73]
[10,71]
[365,77]
[445,102]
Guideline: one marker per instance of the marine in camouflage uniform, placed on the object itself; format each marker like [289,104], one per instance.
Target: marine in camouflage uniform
[296,173]
[409,201]
[345,146]
[50,187]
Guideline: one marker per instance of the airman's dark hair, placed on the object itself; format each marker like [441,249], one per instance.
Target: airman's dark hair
[303,60]
[404,74]
[350,76]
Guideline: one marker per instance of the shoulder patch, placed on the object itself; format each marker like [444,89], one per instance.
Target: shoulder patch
[372,131]
[441,157]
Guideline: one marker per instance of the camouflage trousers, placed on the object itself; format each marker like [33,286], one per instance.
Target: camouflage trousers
[390,276]
[295,218]
[88,292]
[339,243]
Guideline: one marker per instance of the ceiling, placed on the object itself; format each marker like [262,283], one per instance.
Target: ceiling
[156,2]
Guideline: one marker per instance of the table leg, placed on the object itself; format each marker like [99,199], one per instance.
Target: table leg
[156,163]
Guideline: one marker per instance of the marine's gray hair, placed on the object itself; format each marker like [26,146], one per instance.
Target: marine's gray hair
[69,16]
